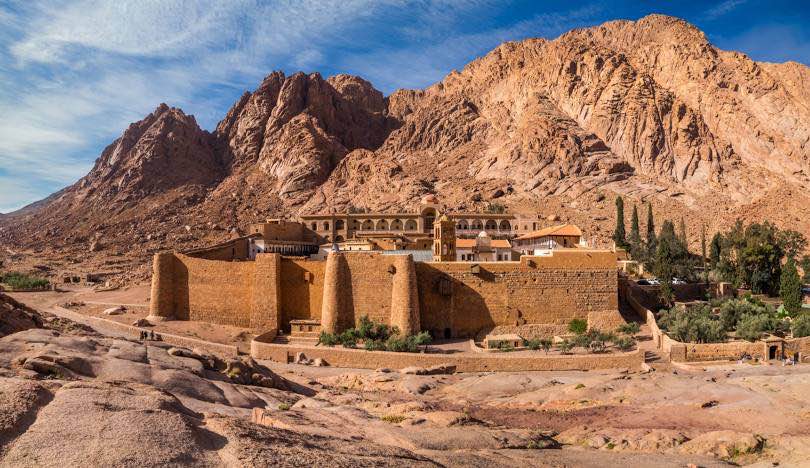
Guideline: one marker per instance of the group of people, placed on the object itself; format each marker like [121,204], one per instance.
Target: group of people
[150,335]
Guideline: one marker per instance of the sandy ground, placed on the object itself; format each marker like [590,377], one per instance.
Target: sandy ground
[673,415]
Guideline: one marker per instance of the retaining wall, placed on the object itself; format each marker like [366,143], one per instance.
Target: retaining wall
[362,359]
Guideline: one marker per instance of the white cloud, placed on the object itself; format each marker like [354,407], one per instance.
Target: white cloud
[722,8]
[81,71]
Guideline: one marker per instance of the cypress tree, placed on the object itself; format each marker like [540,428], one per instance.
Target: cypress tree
[790,288]
[715,250]
[635,235]
[665,258]
[651,240]
[619,236]
[703,253]
[682,233]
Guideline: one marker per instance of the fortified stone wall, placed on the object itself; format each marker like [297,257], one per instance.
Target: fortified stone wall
[302,289]
[537,290]
[538,295]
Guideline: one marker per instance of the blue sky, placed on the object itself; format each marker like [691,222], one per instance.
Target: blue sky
[74,74]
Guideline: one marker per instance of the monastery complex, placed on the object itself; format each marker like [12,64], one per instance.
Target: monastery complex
[489,278]
[455,275]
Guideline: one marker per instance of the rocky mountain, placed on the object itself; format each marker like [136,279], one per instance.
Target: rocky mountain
[648,109]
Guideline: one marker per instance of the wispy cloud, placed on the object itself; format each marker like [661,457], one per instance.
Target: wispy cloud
[81,71]
[722,8]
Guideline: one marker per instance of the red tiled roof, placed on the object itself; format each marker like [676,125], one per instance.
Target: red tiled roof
[561,230]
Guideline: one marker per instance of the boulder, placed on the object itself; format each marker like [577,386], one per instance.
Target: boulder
[319,362]
[142,322]
[118,310]
[301,358]
[440,369]
[413,370]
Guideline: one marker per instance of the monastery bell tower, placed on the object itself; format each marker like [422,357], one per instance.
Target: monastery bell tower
[444,240]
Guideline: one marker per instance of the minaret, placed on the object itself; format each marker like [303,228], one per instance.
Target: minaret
[444,240]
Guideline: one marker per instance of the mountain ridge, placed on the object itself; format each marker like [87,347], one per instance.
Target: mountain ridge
[646,109]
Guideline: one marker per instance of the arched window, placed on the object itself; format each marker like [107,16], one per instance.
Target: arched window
[491,225]
[339,224]
[326,225]
[505,226]
[368,225]
[339,239]
[477,224]
[382,225]
[314,226]
[410,225]
[462,224]
[396,225]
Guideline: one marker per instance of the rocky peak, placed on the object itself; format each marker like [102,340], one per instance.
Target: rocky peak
[298,128]
[164,150]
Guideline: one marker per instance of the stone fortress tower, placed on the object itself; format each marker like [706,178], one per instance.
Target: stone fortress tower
[444,240]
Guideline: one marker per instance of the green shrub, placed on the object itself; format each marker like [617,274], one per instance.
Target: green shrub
[624,343]
[751,327]
[17,280]
[505,347]
[800,326]
[396,344]
[583,341]
[328,339]
[545,343]
[605,336]
[732,311]
[533,344]
[598,346]
[374,345]
[284,406]
[565,346]
[630,328]
[349,338]
[692,325]
[422,338]
[578,326]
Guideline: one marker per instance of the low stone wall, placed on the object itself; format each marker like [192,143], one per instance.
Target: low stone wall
[700,352]
[110,326]
[483,362]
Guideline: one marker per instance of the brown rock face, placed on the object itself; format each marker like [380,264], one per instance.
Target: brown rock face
[647,109]
[296,129]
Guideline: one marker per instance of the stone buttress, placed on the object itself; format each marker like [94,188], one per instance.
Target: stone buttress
[335,313]
[161,302]
[404,296]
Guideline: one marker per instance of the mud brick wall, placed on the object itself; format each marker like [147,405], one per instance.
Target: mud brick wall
[301,289]
[537,290]
[214,291]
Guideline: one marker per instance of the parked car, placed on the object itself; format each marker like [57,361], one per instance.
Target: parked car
[678,281]
[648,282]
[643,282]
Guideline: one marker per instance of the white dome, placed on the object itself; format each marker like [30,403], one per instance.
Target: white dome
[483,234]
